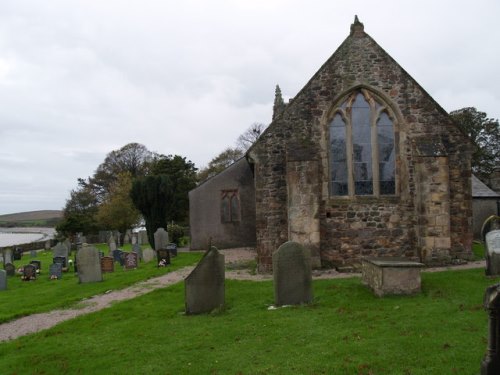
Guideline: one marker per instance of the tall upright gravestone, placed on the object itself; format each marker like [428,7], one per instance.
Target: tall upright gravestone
[3,280]
[292,275]
[89,265]
[204,288]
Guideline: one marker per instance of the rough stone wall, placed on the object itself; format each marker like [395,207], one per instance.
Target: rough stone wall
[205,210]
[358,226]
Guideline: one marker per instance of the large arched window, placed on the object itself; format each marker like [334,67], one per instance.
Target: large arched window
[362,148]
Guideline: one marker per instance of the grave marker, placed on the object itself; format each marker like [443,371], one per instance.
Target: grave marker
[161,239]
[55,271]
[37,264]
[3,280]
[491,362]
[7,256]
[60,250]
[292,275]
[118,256]
[89,265]
[492,244]
[33,253]
[61,260]
[130,261]
[107,264]
[148,255]
[29,272]
[10,269]
[136,248]
[204,288]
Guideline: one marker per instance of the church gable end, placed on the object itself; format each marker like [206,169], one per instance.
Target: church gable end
[341,168]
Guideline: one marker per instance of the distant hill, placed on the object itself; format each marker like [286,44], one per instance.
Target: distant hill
[48,218]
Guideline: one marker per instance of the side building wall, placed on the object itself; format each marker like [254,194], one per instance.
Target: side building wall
[206,216]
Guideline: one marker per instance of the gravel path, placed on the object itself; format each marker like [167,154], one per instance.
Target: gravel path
[233,257]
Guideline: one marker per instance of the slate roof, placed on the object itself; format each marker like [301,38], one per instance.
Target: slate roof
[480,190]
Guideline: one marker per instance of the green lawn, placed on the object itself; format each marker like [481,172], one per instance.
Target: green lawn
[29,297]
[346,330]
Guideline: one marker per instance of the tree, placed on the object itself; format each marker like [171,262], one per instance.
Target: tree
[484,133]
[220,162]
[79,213]
[248,138]
[118,212]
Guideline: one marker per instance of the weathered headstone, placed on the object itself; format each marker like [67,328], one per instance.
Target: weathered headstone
[3,280]
[126,238]
[204,288]
[148,255]
[55,271]
[107,264]
[491,362]
[292,275]
[60,250]
[118,256]
[10,269]
[18,253]
[29,272]
[7,256]
[136,248]
[492,245]
[131,260]
[161,239]
[143,236]
[1,258]
[33,253]
[133,240]
[172,248]
[163,257]
[89,265]
[111,244]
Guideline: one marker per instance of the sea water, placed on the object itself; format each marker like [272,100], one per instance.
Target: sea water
[14,236]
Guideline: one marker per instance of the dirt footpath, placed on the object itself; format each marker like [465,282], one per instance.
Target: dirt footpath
[237,261]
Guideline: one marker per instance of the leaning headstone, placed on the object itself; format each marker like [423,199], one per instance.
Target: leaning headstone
[161,239]
[148,255]
[292,275]
[131,261]
[107,264]
[118,256]
[3,280]
[204,288]
[89,265]
[491,362]
[10,269]
[492,244]
[29,272]
[55,271]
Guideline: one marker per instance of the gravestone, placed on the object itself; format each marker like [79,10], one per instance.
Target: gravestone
[292,274]
[112,244]
[55,271]
[1,258]
[148,255]
[29,272]
[161,239]
[143,237]
[33,253]
[10,269]
[37,264]
[89,265]
[131,260]
[136,248]
[118,256]
[3,280]
[491,362]
[172,248]
[61,260]
[126,238]
[492,244]
[204,288]
[60,250]
[133,240]
[107,264]
[163,257]
[18,253]
[7,256]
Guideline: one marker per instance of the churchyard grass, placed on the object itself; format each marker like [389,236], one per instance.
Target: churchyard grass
[346,330]
[41,295]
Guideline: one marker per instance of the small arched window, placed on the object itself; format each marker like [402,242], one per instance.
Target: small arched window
[362,148]
[230,206]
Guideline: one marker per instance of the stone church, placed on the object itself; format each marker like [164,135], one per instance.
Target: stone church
[361,162]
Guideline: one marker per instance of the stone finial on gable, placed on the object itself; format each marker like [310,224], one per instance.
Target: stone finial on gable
[279,104]
[357,28]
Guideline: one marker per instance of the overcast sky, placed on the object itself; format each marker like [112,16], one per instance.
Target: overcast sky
[79,79]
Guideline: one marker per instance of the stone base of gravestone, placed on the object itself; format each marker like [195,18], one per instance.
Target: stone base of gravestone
[292,275]
[89,265]
[204,288]
[163,257]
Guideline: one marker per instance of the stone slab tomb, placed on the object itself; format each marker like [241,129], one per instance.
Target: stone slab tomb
[387,276]
[292,275]
[89,265]
[204,288]
[3,280]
